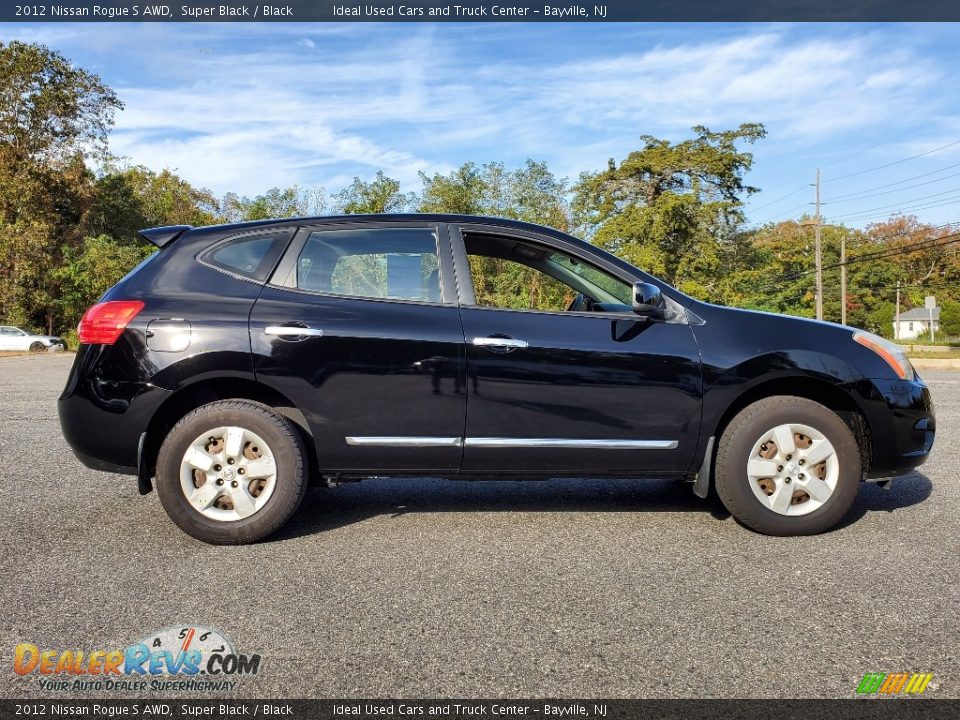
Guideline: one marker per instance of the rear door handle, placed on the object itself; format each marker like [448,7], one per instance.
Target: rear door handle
[292,331]
[500,343]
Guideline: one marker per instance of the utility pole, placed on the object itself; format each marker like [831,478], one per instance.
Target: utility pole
[896,322]
[819,254]
[843,280]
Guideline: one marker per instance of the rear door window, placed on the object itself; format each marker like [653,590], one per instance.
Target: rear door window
[382,263]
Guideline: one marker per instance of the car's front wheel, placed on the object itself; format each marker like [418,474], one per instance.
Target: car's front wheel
[788,466]
[37,346]
[231,472]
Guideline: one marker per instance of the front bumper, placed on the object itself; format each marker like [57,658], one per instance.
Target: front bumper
[902,424]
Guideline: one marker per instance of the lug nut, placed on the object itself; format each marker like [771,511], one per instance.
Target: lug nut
[217,468]
[803,462]
[787,481]
[240,471]
[220,481]
[779,468]
[234,484]
[801,476]
[789,457]
[229,461]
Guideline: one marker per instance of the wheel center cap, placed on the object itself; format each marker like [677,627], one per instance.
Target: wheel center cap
[792,468]
[228,474]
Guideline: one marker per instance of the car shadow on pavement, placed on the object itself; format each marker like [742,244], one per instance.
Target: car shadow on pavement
[331,508]
[903,492]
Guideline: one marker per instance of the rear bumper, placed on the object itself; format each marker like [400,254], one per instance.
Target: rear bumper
[902,424]
[103,420]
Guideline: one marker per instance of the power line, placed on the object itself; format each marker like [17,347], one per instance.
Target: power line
[891,164]
[928,243]
[858,153]
[903,203]
[898,182]
[851,198]
[894,210]
[861,194]
[906,204]
[782,197]
[780,214]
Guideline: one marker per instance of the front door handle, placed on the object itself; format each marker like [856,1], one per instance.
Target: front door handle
[291,332]
[500,343]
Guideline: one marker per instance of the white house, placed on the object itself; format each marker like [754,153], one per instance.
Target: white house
[916,324]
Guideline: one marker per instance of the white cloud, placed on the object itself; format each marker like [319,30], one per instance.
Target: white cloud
[244,108]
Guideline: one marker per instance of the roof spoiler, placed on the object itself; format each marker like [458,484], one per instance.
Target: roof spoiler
[163,236]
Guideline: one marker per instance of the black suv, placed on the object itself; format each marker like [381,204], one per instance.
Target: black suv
[239,362]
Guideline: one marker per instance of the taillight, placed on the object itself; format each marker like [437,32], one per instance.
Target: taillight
[103,323]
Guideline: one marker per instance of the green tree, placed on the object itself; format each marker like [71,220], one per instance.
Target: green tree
[289,202]
[52,115]
[531,193]
[380,195]
[950,317]
[671,207]
[50,109]
[168,199]
[92,268]
[461,191]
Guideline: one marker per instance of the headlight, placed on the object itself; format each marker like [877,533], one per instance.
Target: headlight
[895,355]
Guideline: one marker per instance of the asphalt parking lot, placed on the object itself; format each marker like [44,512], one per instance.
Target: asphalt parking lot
[428,588]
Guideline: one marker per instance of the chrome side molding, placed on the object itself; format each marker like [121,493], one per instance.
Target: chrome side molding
[404,441]
[502,442]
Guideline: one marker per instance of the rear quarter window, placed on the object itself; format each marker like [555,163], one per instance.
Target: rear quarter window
[252,256]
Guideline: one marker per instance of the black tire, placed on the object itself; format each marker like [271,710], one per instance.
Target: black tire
[737,441]
[37,347]
[291,476]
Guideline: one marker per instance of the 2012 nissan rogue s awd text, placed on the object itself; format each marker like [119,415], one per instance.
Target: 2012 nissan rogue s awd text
[240,362]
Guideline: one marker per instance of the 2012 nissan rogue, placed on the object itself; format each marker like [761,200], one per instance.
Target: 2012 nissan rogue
[240,362]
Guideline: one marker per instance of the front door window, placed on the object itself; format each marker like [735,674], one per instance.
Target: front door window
[512,275]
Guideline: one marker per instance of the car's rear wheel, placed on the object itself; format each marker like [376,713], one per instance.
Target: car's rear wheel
[37,347]
[788,466]
[231,472]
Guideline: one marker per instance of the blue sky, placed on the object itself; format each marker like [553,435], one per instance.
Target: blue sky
[245,107]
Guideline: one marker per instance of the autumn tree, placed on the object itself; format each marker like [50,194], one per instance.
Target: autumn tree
[52,116]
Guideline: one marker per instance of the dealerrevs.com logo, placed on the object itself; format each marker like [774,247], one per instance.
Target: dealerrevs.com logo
[191,658]
[894,683]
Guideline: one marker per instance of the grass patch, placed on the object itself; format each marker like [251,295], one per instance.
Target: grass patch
[25,353]
[927,355]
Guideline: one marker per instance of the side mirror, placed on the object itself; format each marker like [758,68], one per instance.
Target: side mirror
[647,300]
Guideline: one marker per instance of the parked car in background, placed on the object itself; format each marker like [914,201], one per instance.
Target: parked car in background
[13,338]
[240,362]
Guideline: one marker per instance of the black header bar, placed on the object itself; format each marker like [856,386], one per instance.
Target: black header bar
[481,11]
[587,709]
